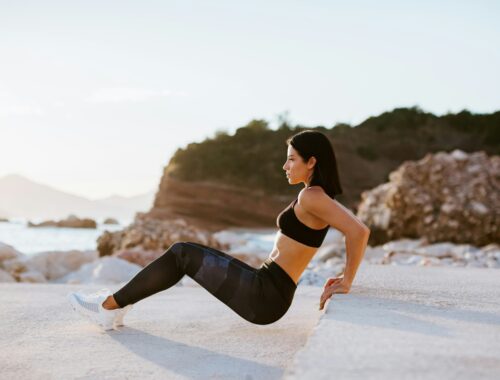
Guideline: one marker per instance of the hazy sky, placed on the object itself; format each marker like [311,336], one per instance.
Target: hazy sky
[95,96]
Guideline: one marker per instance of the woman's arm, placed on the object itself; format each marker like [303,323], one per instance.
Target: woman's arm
[339,217]
[355,246]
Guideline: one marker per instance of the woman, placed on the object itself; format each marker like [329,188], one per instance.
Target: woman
[261,296]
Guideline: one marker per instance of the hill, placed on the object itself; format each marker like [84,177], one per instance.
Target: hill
[243,170]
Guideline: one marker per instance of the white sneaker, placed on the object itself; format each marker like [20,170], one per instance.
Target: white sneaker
[121,311]
[90,306]
[121,314]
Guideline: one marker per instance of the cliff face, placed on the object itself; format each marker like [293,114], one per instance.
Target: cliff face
[214,206]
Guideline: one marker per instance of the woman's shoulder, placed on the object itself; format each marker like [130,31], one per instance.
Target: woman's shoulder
[311,194]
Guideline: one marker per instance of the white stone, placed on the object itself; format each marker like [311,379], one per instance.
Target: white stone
[32,276]
[105,270]
[478,207]
[326,252]
[413,260]
[447,261]
[491,263]
[402,245]
[459,155]
[8,252]
[430,261]
[461,250]
[447,208]
[6,277]
[334,262]
[436,250]
[55,264]
[17,265]
[475,264]
[374,253]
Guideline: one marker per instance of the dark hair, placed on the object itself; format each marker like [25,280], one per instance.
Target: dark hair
[311,143]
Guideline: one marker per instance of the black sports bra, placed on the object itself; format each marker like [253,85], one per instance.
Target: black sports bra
[292,227]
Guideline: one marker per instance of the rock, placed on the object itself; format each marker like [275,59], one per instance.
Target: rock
[8,252]
[110,221]
[375,255]
[50,265]
[71,222]
[59,263]
[6,277]
[492,263]
[138,256]
[430,261]
[32,276]
[213,206]
[438,250]
[453,197]
[326,252]
[17,265]
[405,259]
[154,235]
[105,270]
[402,245]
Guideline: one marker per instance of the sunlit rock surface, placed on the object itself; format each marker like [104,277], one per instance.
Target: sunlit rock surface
[452,197]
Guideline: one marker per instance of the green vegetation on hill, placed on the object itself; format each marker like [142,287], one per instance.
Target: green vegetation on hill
[253,157]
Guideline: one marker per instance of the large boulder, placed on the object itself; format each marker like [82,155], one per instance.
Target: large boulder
[105,270]
[8,252]
[453,197]
[153,235]
[6,277]
[46,266]
[55,264]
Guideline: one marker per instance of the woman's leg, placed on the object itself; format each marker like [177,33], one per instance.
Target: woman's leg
[232,281]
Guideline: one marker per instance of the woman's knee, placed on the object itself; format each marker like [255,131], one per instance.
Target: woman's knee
[177,246]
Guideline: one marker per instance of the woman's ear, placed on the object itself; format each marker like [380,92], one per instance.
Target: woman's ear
[312,161]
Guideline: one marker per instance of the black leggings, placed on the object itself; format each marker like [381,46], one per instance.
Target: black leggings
[260,296]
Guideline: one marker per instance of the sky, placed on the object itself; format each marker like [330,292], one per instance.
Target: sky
[96,96]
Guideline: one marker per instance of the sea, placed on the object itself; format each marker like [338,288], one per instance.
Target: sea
[32,240]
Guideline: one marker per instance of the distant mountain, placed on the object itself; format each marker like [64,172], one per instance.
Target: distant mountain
[23,198]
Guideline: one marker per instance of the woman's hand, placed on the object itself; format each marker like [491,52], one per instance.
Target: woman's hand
[333,285]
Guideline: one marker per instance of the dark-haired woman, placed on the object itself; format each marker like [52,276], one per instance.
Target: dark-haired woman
[259,295]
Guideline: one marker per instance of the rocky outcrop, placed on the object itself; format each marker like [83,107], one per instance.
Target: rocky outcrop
[110,221]
[451,197]
[42,267]
[71,221]
[214,206]
[153,237]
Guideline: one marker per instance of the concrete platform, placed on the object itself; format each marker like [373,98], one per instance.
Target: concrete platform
[396,323]
[180,333]
[408,323]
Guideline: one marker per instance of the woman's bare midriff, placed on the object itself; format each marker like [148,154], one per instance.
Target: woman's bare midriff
[291,255]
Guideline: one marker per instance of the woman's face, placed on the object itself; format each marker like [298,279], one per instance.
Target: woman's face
[296,169]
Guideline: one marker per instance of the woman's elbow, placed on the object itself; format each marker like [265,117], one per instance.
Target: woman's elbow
[360,232]
[365,230]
